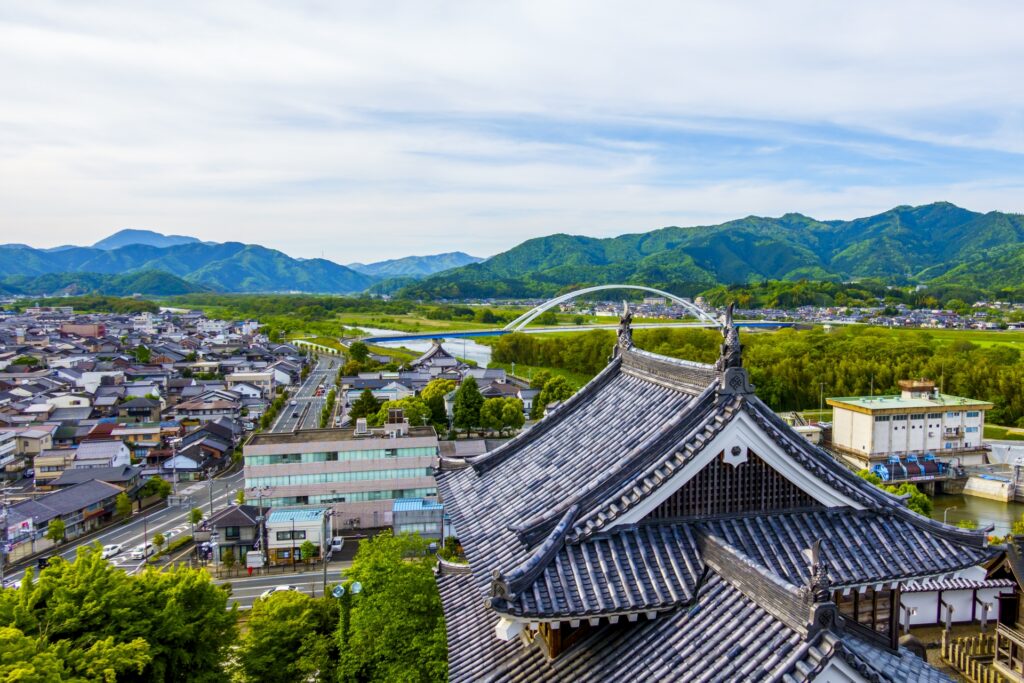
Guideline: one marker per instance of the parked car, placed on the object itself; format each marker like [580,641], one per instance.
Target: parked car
[12,583]
[29,473]
[337,543]
[111,550]
[278,589]
[141,552]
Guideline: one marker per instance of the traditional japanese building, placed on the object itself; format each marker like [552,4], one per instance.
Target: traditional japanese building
[664,524]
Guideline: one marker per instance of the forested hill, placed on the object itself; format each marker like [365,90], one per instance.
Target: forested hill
[939,243]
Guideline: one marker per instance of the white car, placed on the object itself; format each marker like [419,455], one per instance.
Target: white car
[141,552]
[277,589]
[170,534]
[111,550]
[13,583]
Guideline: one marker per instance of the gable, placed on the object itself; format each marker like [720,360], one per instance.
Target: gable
[724,487]
[735,444]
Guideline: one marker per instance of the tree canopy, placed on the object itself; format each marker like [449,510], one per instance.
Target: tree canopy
[466,407]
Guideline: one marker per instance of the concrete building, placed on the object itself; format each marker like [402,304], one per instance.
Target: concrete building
[418,516]
[287,530]
[919,421]
[359,472]
[264,381]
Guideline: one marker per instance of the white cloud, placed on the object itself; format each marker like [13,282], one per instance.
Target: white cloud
[373,130]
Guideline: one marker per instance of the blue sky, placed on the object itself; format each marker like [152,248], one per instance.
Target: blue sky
[365,130]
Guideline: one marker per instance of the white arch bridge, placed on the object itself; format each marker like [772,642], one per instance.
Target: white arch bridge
[528,317]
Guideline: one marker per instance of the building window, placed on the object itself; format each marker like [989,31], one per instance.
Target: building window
[917,416]
[972,413]
[881,418]
[231,533]
[970,429]
[899,417]
[291,535]
[934,416]
[952,414]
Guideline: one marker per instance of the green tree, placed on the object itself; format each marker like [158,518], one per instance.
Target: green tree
[29,660]
[55,530]
[123,505]
[467,404]
[156,486]
[546,318]
[364,406]
[491,414]
[512,416]
[227,558]
[141,353]
[433,395]
[195,516]
[289,627]
[540,378]
[173,625]
[307,550]
[396,628]
[359,351]
[351,368]
[555,389]
[158,540]
[416,411]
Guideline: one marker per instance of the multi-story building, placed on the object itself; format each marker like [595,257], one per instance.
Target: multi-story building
[359,472]
[867,430]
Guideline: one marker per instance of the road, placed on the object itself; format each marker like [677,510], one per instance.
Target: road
[245,589]
[163,521]
[305,414]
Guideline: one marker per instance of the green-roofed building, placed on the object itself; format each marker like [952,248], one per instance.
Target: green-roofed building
[918,421]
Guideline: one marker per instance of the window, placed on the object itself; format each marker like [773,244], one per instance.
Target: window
[881,418]
[934,416]
[917,416]
[290,535]
[899,417]
[231,533]
[970,429]
[952,414]
[972,413]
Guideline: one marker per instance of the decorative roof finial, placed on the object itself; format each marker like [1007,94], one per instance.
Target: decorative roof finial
[819,585]
[625,329]
[731,352]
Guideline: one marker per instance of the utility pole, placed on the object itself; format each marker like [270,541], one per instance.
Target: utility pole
[323,546]
[821,399]
[3,541]
[209,482]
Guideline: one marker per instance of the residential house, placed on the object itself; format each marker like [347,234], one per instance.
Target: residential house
[101,454]
[141,409]
[288,529]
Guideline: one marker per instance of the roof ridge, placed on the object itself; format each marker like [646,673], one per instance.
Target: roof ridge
[482,463]
[604,486]
[504,588]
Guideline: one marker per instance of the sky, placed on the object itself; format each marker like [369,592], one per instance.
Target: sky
[361,131]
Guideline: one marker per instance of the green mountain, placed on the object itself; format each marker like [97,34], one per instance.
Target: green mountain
[122,238]
[230,266]
[415,266]
[937,242]
[146,282]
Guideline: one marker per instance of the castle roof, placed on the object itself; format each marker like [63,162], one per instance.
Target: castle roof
[660,489]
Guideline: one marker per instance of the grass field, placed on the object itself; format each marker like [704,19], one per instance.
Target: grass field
[526,372]
[1004,433]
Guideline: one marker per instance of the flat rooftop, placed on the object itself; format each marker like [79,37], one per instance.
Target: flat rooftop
[940,402]
[321,435]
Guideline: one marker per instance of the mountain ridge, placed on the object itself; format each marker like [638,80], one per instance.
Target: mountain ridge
[905,244]
[415,266]
[128,236]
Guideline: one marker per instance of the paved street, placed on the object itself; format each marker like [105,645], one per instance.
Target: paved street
[306,411]
[245,589]
[164,520]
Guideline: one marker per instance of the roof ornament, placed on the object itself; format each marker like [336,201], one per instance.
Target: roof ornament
[733,377]
[625,327]
[823,613]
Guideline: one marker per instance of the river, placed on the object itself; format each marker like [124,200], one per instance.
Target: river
[463,348]
[981,510]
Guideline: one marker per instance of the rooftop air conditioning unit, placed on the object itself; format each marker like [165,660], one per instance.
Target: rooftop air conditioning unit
[361,428]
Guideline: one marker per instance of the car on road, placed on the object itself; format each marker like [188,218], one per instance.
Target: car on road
[12,583]
[141,552]
[278,589]
[111,550]
[29,473]
[294,402]
[168,535]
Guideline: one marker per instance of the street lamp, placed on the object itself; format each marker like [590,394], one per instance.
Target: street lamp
[323,545]
[946,512]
